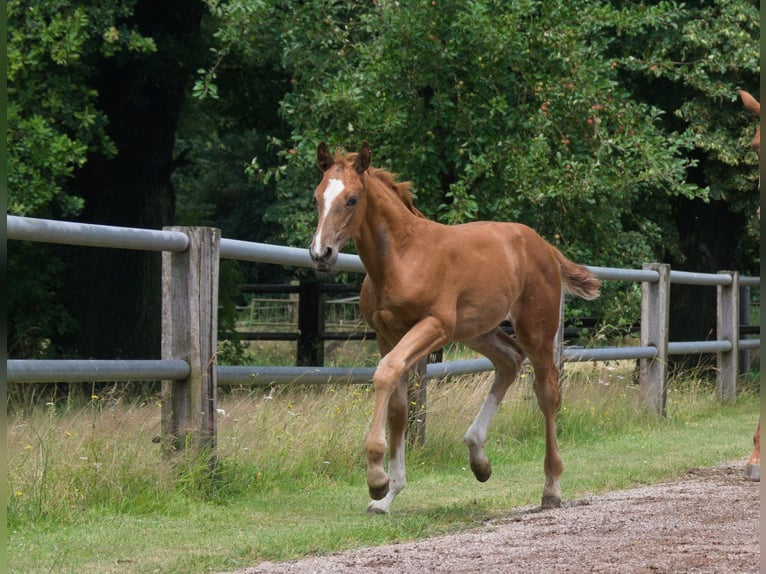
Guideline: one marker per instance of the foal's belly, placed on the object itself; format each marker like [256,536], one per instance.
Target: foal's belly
[462,322]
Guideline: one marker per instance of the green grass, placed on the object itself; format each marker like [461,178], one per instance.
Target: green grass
[90,492]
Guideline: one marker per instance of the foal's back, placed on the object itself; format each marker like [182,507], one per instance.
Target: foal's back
[472,276]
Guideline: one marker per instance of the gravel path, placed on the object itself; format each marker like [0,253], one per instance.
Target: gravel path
[709,521]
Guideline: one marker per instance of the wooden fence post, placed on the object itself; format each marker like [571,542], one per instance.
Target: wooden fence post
[655,319]
[311,311]
[416,397]
[189,332]
[727,329]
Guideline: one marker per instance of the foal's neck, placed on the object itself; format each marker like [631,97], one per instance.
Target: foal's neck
[387,229]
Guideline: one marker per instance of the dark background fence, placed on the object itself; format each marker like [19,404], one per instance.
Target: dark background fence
[307,320]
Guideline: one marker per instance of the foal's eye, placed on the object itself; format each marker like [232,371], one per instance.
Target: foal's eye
[352,201]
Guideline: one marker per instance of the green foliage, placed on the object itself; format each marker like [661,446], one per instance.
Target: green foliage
[237,19]
[495,112]
[591,133]
[508,111]
[53,117]
[55,125]
[694,74]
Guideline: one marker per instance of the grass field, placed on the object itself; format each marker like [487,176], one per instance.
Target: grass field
[88,489]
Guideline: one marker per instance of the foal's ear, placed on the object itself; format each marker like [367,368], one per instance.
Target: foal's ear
[362,161]
[325,160]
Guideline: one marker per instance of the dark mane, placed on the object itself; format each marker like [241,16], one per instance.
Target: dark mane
[402,189]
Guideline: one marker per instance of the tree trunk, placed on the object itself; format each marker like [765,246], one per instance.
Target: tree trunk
[708,234]
[115,294]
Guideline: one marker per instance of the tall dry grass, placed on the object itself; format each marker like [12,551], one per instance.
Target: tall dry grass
[63,462]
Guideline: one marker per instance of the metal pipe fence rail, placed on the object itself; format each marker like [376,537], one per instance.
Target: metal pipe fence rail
[189,324]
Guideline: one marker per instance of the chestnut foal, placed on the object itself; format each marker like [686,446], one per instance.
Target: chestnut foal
[428,284]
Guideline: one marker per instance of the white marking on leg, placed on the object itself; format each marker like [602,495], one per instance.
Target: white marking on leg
[552,488]
[397,482]
[476,435]
[334,188]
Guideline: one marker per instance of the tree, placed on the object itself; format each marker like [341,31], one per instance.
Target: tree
[53,116]
[54,122]
[511,111]
[693,74]
[221,135]
[142,97]
[94,97]
[494,111]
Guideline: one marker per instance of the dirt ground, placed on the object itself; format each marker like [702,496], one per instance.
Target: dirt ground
[709,521]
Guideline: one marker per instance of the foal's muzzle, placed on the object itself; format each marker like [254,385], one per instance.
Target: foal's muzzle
[324,260]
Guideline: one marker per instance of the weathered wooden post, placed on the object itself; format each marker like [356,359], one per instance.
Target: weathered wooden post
[727,329]
[417,398]
[310,351]
[655,324]
[189,332]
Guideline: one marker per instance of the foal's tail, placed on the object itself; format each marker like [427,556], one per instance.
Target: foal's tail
[577,279]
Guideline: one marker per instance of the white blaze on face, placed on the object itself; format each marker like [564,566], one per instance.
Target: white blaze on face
[334,188]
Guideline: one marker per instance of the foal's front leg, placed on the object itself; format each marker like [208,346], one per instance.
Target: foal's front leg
[397,425]
[426,336]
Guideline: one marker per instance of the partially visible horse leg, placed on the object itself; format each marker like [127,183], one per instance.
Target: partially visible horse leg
[506,356]
[424,337]
[753,467]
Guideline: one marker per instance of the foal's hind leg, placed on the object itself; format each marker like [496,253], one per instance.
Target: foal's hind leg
[506,357]
[549,398]
[536,337]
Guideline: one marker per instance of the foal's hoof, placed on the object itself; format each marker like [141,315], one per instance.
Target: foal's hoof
[376,509]
[550,501]
[378,492]
[753,472]
[482,470]
[377,482]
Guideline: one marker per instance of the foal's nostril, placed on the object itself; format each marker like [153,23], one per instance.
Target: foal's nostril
[323,258]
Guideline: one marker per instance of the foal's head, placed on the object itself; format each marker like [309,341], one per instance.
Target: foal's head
[340,202]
